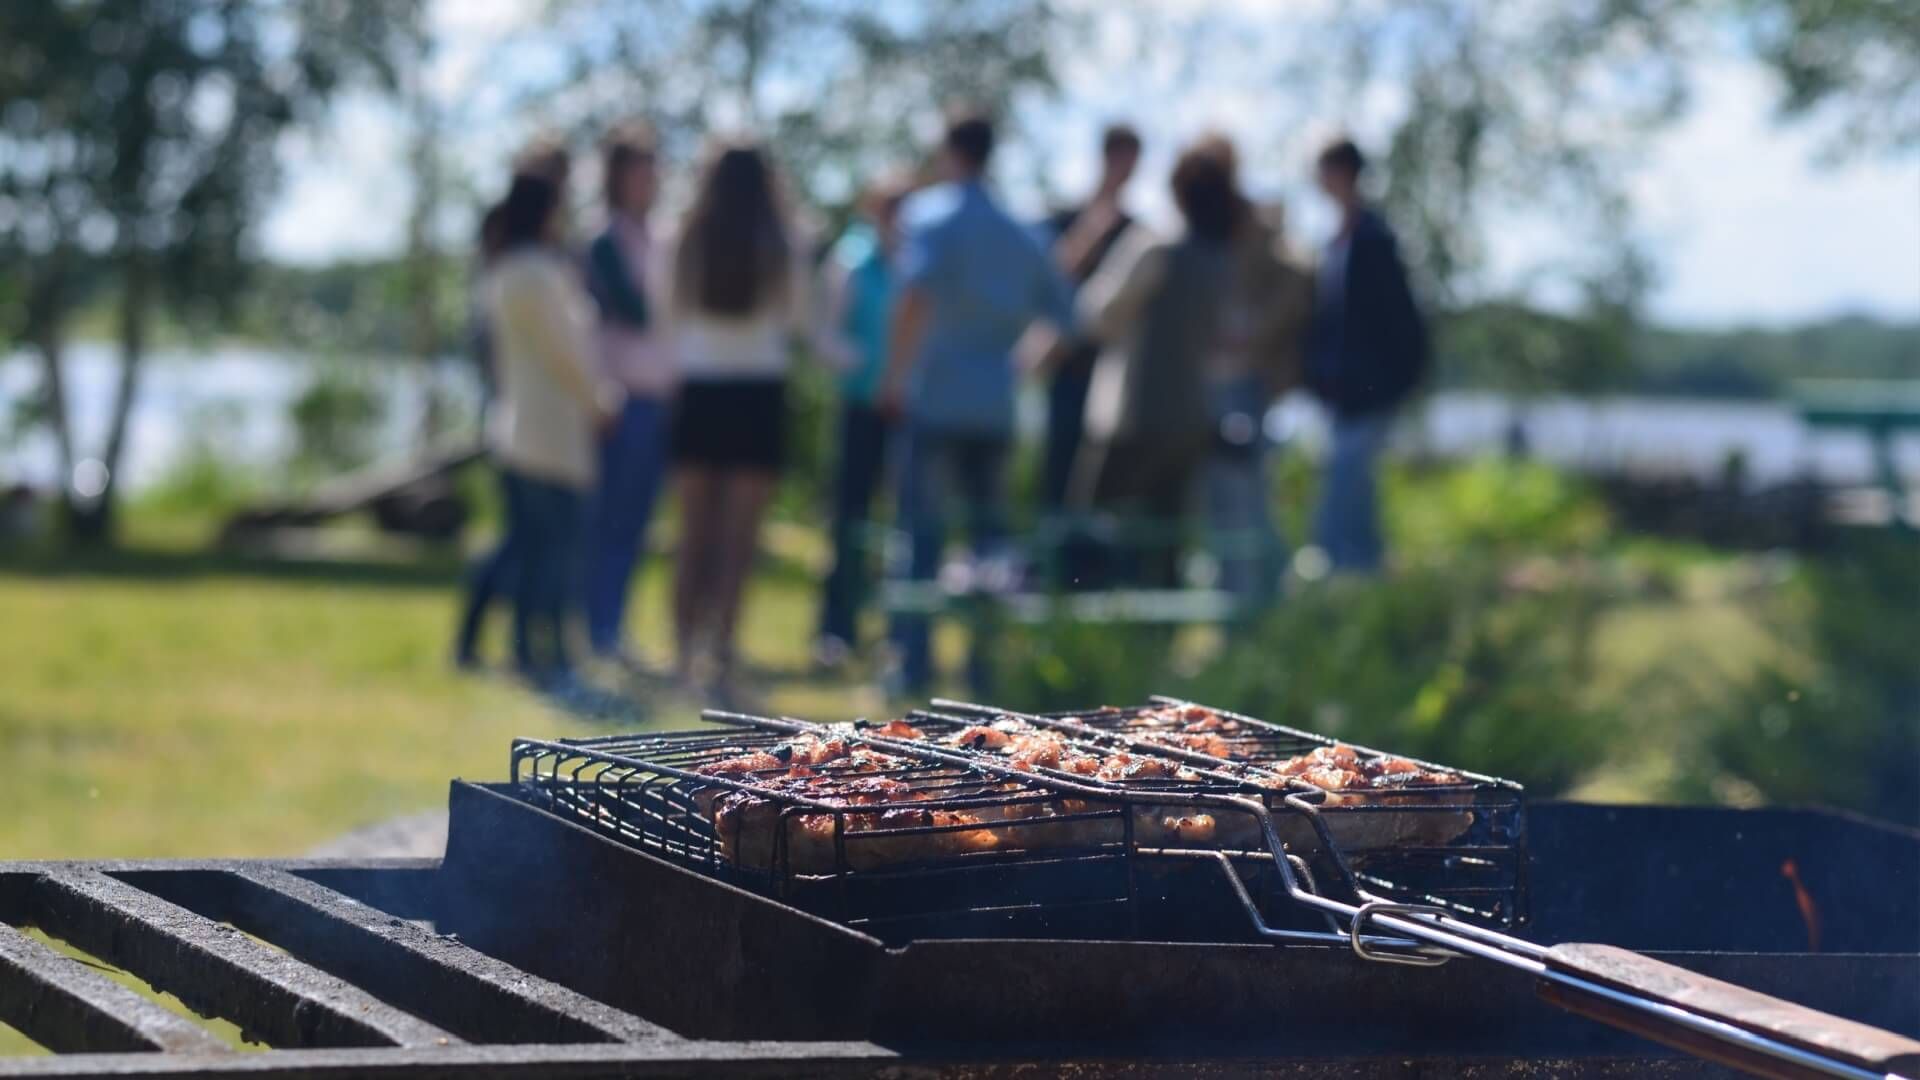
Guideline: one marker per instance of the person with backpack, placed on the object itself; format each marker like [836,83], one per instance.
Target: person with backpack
[1367,351]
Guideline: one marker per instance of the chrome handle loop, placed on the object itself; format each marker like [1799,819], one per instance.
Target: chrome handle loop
[1425,956]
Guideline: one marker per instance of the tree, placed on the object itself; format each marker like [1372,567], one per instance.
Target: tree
[137,146]
[840,88]
[1486,115]
[1854,62]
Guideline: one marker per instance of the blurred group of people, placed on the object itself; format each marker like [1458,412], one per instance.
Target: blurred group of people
[662,352]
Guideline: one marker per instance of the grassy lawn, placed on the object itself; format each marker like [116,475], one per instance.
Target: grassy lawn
[163,704]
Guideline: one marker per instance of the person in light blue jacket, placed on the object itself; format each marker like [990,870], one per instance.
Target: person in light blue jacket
[971,279]
[860,291]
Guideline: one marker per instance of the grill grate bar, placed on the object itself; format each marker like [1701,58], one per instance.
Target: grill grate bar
[467,992]
[65,1006]
[838,1061]
[215,969]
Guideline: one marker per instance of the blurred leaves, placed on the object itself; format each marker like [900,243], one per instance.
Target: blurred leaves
[1450,664]
[336,420]
[138,143]
[1469,655]
[1842,728]
[1853,64]
[840,88]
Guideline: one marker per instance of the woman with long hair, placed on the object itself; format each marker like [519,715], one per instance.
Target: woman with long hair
[542,429]
[739,300]
[494,574]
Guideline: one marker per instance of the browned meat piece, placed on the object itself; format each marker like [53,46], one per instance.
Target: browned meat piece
[753,762]
[982,737]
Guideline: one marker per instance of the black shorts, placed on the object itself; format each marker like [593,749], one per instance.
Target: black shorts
[734,423]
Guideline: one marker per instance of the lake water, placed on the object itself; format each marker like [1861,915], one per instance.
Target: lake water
[235,400]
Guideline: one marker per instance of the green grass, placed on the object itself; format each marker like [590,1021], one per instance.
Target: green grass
[161,703]
[228,714]
[165,703]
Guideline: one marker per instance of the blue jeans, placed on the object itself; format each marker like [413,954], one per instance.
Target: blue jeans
[1239,495]
[545,522]
[1347,527]
[936,468]
[633,468]
[863,454]
[494,575]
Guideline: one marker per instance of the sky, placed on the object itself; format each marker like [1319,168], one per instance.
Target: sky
[1745,222]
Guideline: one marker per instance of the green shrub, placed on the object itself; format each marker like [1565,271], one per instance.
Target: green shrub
[1842,729]
[206,478]
[1452,666]
[335,420]
[1491,506]
[1065,664]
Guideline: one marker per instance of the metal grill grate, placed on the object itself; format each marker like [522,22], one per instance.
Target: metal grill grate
[989,848]
[963,852]
[1459,845]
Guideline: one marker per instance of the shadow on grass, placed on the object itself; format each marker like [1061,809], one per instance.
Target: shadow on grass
[440,569]
[166,565]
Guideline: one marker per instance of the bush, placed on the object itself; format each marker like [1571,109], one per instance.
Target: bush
[1492,506]
[336,421]
[1064,664]
[1451,666]
[206,478]
[1844,728]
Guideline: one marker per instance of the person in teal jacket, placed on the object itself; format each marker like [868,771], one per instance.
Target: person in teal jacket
[860,278]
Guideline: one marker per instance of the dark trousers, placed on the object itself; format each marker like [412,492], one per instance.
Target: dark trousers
[863,453]
[1066,425]
[493,575]
[545,522]
[1076,557]
[633,468]
[1146,483]
[938,470]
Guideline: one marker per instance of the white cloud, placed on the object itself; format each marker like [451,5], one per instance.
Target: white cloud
[1748,225]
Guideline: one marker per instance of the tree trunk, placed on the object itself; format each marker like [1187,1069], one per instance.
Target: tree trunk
[46,315]
[93,519]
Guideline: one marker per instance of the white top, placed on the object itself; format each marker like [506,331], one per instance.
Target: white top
[551,395]
[641,361]
[757,345]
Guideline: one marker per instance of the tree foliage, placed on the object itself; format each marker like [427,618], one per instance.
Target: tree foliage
[840,88]
[137,145]
[1852,63]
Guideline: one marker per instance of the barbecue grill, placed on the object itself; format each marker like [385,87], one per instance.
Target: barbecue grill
[604,934]
[1107,881]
